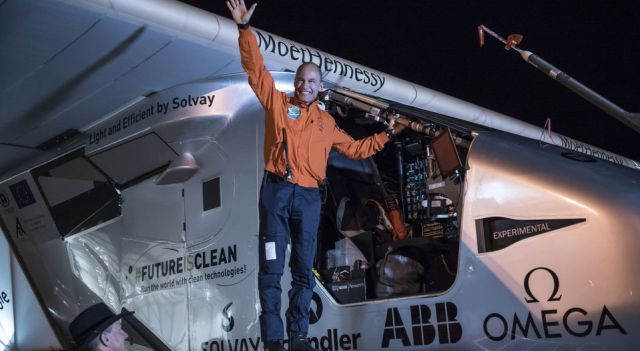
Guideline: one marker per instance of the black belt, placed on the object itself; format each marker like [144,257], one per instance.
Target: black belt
[273,178]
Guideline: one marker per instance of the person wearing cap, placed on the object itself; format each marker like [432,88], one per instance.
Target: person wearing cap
[97,328]
[299,135]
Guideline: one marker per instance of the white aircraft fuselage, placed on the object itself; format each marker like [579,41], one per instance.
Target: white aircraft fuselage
[528,244]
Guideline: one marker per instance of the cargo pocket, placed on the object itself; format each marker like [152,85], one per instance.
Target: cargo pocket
[272,251]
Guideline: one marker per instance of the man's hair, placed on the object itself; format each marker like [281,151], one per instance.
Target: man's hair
[309,64]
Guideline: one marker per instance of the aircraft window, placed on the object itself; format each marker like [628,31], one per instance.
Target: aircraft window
[78,195]
[211,194]
[389,225]
[59,190]
[135,159]
[78,168]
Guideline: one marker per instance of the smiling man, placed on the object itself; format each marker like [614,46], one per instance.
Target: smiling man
[308,82]
[299,135]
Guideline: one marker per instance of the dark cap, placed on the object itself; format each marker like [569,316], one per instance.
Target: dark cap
[91,322]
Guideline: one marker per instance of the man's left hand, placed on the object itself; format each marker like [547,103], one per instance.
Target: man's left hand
[398,123]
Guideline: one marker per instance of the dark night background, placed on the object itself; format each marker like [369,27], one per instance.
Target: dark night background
[435,44]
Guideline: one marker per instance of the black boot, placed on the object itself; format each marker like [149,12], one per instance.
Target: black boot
[274,345]
[299,342]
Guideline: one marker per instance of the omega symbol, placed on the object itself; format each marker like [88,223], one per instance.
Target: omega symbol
[228,326]
[556,286]
[551,323]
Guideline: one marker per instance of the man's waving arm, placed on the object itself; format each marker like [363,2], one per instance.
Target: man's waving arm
[239,11]
[260,79]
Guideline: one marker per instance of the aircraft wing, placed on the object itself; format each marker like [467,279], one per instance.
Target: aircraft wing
[68,64]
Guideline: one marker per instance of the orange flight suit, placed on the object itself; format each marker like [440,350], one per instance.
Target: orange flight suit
[310,137]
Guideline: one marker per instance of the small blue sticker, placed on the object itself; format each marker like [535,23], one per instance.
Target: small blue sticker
[293,112]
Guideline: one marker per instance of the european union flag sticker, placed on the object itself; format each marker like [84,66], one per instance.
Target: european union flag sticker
[293,112]
[22,193]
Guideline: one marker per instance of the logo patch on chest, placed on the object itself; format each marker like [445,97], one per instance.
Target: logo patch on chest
[293,112]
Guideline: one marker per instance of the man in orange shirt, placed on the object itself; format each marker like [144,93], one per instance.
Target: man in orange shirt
[299,135]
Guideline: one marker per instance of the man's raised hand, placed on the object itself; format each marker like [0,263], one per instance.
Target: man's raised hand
[239,11]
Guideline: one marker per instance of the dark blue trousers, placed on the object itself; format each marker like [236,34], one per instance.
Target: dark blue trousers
[288,213]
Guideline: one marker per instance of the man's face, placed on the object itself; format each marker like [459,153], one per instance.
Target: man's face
[115,338]
[307,83]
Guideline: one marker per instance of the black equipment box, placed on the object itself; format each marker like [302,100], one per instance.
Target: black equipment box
[347,284]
